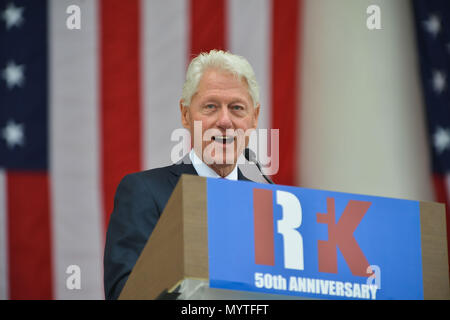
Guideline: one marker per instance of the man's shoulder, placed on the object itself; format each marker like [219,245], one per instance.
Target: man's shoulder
[166,174]
[151,175]
[155,172]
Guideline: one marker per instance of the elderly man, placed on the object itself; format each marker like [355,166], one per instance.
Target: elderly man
[220,95]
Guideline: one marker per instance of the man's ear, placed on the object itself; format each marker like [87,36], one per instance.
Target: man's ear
[185,116]
[256,115]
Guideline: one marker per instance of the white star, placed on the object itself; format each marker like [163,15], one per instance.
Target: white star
[441,139]
[13,74]
[13,134]
[439,81]
[13,16]
[433,25]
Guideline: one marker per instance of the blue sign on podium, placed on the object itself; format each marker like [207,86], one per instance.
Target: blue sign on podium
[312,243]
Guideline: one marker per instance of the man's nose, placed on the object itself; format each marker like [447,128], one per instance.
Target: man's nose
[224,120]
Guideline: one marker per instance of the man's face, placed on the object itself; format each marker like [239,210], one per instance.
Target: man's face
[224,107]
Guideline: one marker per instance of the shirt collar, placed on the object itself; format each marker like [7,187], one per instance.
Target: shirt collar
[204,171]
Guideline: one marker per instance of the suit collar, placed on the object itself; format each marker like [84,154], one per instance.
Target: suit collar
[187,168]
[179,168]
[184,166]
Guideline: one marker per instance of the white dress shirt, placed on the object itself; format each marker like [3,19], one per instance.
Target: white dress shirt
[204,171]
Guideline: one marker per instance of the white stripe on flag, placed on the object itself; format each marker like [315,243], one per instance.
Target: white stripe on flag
[361,134]
[164,54]
[3,239]
[249,35]
[76,209]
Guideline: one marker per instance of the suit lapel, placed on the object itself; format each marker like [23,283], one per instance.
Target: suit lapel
[242,177]
[177,170]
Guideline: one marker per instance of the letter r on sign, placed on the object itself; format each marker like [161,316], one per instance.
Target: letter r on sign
[287,227]
[292,219]
[263,222]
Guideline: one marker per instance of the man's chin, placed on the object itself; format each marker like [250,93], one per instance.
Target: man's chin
[221,156]
[222,169]
[220,162]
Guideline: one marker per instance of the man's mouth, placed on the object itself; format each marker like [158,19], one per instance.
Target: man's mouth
[223,139]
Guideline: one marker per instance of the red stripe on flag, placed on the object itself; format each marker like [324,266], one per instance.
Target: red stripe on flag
[29,239]
[263,221]
[440,190]
[120,94]
[207,26]
[285,22]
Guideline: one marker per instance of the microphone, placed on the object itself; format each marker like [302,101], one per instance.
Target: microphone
[251,157]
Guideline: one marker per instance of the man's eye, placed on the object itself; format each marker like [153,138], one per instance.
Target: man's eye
[210,106]
[237,107]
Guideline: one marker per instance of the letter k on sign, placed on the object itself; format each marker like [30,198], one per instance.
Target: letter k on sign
[341,234]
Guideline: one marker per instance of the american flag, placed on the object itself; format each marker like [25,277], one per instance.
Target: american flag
[80,108]
[432,19]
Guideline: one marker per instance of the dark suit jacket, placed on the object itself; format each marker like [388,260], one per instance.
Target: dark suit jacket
[140,199]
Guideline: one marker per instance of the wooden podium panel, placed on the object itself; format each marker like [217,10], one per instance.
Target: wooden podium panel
[435,271]
[178,246]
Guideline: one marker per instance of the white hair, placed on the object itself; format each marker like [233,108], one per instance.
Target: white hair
[218,59]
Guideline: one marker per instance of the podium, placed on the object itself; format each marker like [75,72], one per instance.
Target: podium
[192,243]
